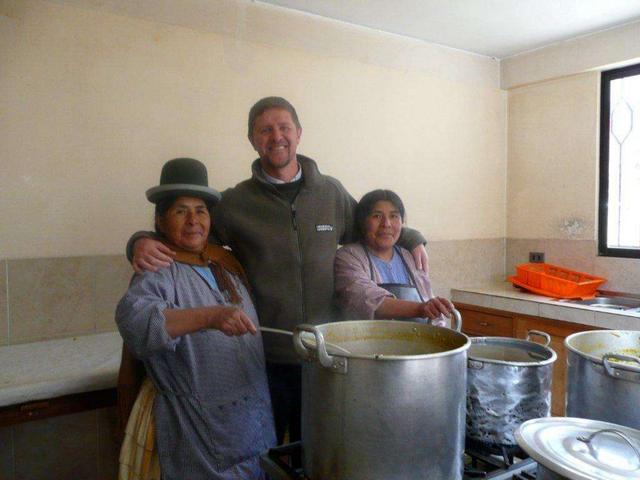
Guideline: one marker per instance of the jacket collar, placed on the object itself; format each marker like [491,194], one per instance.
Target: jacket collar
[310,172]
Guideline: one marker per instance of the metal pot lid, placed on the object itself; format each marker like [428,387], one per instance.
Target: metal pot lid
[581,449]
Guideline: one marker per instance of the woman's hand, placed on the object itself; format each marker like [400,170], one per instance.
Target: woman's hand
[435,307]
[150,254]
[231,321]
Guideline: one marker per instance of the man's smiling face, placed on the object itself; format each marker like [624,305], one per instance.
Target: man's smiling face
[275,137]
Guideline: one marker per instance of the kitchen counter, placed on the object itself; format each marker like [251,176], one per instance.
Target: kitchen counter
[54,368]
[504,296]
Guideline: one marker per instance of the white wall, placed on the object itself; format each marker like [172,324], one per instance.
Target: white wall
[93,104]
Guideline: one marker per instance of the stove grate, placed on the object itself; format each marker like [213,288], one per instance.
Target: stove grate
[277,464]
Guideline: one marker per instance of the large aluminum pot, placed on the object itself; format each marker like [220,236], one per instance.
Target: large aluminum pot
[603,376]
[508,383]
[384,402]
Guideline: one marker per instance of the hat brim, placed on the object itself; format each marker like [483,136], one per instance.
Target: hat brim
[209,195]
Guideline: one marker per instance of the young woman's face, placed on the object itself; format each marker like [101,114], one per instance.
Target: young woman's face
[383,226]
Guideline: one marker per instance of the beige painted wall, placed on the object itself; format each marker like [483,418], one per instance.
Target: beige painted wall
[552,169]
[94,103]
[606,49]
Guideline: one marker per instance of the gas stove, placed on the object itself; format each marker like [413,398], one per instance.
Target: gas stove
[480,463]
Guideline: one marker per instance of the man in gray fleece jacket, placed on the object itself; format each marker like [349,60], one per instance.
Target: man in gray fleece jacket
[284,225]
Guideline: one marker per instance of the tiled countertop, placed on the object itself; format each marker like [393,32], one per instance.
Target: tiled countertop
[39,370]
[504,296]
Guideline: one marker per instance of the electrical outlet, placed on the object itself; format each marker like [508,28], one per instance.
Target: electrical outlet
[536,257]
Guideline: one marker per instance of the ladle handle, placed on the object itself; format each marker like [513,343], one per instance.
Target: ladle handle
[547,338]
[588,439]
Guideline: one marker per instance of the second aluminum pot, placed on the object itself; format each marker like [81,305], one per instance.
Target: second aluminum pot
[508,382]
[603,376]
[386,404]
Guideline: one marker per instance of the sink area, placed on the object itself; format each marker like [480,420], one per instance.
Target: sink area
[610,303]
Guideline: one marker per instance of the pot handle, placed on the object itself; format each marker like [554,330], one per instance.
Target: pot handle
[610,369]
[588,439]
[334,363]
[456,320]
[547,338]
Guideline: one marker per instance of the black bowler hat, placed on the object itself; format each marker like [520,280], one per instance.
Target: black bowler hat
[184,177]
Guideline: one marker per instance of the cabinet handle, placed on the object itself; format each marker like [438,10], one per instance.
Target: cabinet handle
[484,324]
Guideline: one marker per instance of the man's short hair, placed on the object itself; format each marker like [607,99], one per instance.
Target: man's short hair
[265,104]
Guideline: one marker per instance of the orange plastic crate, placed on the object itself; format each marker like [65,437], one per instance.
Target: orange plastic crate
[556,282]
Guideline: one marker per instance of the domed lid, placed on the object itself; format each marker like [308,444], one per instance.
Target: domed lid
[582,449]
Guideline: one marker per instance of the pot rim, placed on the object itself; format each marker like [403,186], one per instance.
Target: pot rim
[496,340]
[382,357]
[594,358]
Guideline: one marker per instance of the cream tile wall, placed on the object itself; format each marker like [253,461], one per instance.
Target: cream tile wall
[62,297]
[112,274]
[50,298]
[465,262]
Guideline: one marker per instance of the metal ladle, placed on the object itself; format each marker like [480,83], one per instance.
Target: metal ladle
[338,349]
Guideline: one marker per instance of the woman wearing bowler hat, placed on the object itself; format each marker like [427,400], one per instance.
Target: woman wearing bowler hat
[194,327]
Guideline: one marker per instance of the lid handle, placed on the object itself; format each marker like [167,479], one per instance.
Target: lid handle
[588,439]
[547,338]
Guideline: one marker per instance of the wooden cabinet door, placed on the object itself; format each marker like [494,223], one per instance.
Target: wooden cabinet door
[558,331]
[484,322]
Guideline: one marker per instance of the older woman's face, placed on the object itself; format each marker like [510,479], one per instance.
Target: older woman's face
[186,224]
[383,226]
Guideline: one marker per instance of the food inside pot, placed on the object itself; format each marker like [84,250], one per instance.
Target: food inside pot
[390,346]
[380,339]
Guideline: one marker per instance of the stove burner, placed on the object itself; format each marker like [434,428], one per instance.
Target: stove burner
[487,452]
[277,464]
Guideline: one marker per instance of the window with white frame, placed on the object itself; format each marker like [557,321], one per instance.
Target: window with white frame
[619,214]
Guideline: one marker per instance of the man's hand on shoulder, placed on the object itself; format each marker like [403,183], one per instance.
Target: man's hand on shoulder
[150,254]
[421,258]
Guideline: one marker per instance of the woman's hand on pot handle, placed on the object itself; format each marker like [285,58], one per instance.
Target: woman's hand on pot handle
[435,307]
[150,254]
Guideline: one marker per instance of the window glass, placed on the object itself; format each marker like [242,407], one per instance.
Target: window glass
[619,222]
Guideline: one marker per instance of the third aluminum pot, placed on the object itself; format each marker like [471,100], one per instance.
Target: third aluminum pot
[603,376]
[386,404]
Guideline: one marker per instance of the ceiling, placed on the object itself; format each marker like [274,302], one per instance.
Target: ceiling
[495,28]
